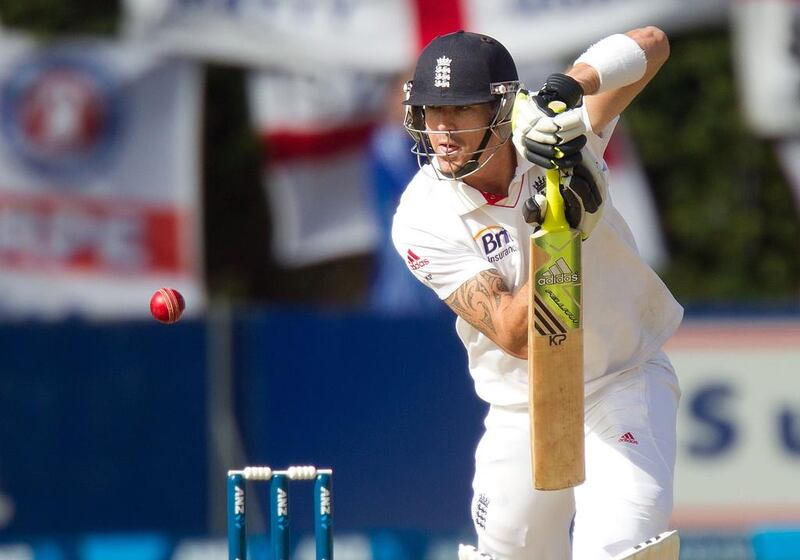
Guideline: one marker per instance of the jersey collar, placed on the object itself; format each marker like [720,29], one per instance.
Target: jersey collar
[465,199]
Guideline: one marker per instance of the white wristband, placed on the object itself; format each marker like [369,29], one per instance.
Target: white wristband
[618,60]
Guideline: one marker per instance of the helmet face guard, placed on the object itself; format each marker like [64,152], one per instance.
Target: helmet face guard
[499,127]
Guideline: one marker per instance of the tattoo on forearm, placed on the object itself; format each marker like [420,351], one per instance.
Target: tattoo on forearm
[478,299]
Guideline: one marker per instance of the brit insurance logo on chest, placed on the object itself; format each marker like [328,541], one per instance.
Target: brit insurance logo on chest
[496,243]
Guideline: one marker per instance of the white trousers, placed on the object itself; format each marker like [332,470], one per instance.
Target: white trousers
[627,496]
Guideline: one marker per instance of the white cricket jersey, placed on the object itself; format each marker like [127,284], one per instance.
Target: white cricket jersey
[448,232]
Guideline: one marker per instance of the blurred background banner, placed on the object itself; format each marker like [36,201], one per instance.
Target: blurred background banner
[384,35]
[371,35]
[534,29]
[99,181]
[315,130]
[739,423]
[768,64]
[788,153]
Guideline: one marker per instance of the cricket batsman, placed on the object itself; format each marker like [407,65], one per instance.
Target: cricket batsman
[462,227]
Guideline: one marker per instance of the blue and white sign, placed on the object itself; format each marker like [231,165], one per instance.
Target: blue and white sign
[61,114]
[738,424]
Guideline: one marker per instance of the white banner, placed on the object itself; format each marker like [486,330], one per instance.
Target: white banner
[536,29]
[315,129]
[384,35]
[739,423]
[766,41]
[788,152]
[98,179]
[369,35]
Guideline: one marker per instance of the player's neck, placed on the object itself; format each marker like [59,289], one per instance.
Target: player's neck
[496,175]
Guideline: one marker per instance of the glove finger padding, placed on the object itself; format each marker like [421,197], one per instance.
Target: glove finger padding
[527,113]
[551,130]
[533,130]
[571,124]
[541,161]
[584,184]
[585,190]
[565,150]
[573,208]
[529,120]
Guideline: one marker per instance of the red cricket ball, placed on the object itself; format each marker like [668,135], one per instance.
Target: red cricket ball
[167,305]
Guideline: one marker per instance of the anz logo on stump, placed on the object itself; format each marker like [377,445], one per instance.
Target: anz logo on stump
[62,115]
[496,243]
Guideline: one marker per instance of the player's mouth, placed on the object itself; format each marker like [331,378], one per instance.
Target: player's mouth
[447,149]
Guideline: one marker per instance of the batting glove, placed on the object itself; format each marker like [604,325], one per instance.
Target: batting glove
[534,209]
[468,552]
[584,189]
[545,138]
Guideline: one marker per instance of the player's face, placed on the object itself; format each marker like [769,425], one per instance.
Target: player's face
[450,134]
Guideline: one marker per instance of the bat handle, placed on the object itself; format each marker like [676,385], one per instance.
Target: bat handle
[555,218]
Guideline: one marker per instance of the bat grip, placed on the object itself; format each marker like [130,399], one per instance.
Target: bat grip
[555,218]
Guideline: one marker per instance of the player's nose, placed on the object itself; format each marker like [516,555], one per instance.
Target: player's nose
[441,119]
[442,125]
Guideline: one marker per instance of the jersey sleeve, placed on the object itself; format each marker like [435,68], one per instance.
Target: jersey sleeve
[439,262]
[598,141]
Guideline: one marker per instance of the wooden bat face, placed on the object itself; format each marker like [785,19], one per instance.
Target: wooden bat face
[556,361]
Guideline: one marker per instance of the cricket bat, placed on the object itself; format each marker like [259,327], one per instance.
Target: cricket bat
[666,546]
[555,346]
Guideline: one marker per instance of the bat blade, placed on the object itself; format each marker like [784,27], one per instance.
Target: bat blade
[666,546]
[555,366]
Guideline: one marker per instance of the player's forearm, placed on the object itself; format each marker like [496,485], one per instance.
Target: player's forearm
[654,44]
[586,76]
[621,70]
[486,303]
[513,324]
